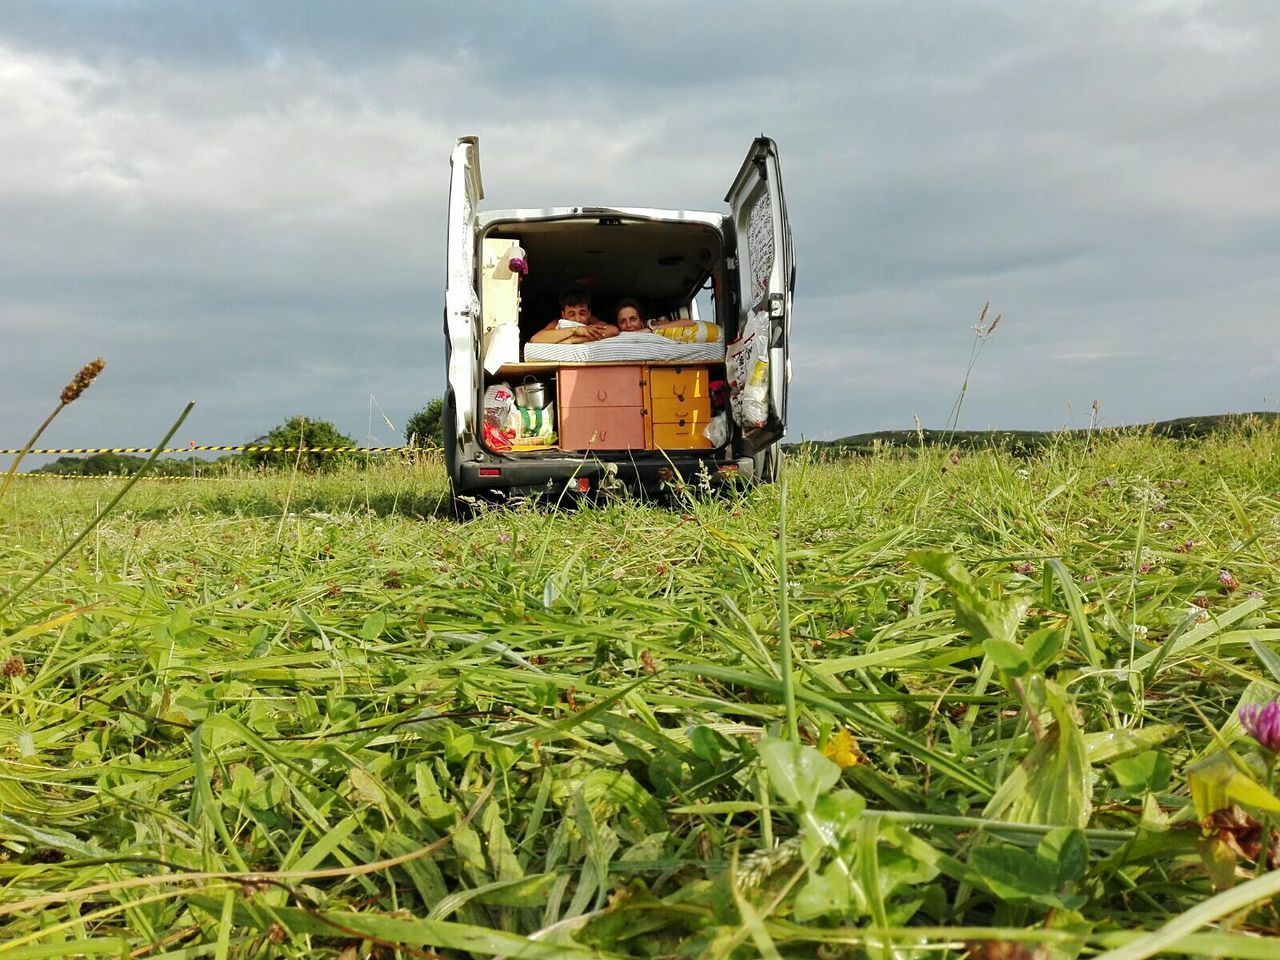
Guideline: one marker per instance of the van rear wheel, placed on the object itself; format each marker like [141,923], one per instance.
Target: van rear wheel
[460,507]
[773,462]
[766,463]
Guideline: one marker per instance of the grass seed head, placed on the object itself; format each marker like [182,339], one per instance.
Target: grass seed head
[80,383]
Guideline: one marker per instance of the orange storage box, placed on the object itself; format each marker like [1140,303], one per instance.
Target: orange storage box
[686,435]
[677,383]
[672,410]
[680,406]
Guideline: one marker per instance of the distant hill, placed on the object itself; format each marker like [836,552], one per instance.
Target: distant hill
[1184,428]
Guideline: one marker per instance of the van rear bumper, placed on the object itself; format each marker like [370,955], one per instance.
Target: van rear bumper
[554,473]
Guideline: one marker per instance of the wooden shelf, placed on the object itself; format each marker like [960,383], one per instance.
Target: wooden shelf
[522,369]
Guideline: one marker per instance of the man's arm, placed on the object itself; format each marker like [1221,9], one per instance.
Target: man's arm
[550,334]
[598,330]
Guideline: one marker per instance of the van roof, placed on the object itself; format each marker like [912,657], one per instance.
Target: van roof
[487,217]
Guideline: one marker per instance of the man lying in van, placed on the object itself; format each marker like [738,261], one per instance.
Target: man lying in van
[575,324]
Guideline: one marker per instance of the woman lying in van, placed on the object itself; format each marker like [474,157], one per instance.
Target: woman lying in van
[631,320]
[575,324]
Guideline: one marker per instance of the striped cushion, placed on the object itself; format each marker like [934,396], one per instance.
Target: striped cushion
[624,347]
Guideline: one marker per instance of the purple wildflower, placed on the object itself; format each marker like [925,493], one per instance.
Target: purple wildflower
[1024,567]
[1263,724]
[1144,567]
[504,537]
[1229,582]
[955,458]
[1254,594]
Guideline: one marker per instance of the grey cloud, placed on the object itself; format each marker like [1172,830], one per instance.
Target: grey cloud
[232,200]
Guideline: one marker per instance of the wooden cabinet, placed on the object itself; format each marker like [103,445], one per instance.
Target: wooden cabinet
[602,386]
[633,407]
[680,405]
[603,408]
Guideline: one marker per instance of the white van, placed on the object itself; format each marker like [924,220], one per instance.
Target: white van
[703,390]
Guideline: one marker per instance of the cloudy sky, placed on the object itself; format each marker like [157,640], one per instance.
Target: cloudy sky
[243,203]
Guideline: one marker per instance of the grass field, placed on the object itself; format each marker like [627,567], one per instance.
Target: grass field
[314,717]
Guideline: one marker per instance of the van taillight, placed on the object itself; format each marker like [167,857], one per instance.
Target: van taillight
[490,472]
[724,467]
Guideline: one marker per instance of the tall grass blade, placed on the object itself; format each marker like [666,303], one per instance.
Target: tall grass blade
[784,620]
[93,524]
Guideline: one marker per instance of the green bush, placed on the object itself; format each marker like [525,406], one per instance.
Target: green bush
[424,429]
[301,431]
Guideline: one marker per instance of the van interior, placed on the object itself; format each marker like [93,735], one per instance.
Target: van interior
[666,266]
[610,258]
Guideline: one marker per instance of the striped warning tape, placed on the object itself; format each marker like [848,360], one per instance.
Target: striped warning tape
[122,476]
[219,448]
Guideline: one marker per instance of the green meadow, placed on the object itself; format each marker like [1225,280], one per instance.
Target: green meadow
[915,704]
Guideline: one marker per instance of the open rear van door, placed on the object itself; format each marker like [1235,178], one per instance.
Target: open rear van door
[461,304]
[766,276]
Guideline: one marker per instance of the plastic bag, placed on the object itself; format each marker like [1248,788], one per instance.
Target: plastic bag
[747,365]
[755,393]
[499,410]
[535,421]
[717,430]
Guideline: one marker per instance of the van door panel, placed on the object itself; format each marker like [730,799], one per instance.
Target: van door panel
[765,270]
[461,303]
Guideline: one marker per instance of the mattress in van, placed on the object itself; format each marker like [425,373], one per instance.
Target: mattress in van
[628,347]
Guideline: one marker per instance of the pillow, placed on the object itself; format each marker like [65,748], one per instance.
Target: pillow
[689,331]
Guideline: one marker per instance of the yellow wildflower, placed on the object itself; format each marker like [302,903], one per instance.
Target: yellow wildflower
[842,748]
